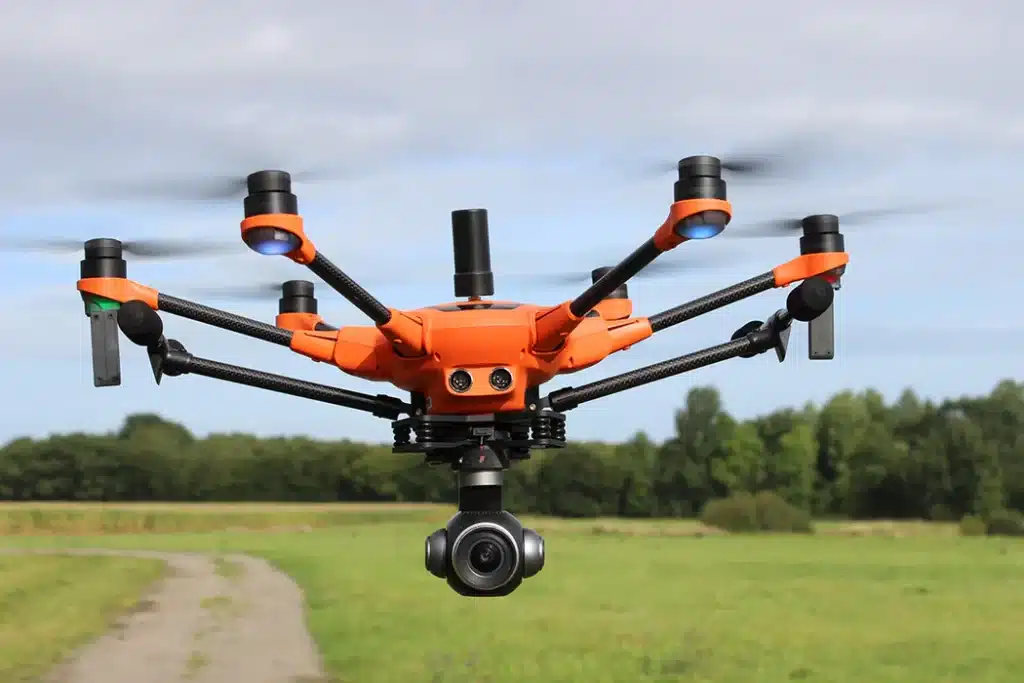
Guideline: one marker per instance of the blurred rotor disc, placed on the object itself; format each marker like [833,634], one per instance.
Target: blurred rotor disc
[793,227]
[149,249]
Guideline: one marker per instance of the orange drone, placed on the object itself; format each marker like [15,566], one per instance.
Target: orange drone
[473,368]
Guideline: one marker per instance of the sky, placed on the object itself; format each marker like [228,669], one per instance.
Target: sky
[550,114]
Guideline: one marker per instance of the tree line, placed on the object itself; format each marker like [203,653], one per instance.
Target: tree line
[855,456]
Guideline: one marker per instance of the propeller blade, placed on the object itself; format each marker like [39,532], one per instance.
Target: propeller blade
[163,248]
[201,189]
[258,291]
[153,249]
[750,166]
[768,161]
[663,267]
[53,246]
[788,227]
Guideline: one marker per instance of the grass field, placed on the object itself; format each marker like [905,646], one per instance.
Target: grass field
[622,601]
[50,605]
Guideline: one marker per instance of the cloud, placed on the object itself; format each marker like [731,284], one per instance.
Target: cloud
[109,88]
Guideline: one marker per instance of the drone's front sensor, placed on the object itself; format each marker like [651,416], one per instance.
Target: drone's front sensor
[271,241]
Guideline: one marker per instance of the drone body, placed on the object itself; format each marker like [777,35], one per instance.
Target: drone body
[472,368]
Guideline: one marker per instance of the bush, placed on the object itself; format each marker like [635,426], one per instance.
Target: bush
[774,513]
[764,512]
[1005,523]
[737,513]
[973,526]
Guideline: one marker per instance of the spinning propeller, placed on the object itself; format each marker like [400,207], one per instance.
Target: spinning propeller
[217,188]
[268,290]
[790,227]
[658,269]
[211,188]
[752,164]
[749,166]
[151,249]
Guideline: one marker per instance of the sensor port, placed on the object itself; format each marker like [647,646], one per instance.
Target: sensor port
[460,381]
[500,379]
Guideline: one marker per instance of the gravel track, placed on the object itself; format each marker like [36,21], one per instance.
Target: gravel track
[222,619]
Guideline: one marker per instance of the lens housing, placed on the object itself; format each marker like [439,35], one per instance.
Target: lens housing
[500,379]
[460,381]
[485,556]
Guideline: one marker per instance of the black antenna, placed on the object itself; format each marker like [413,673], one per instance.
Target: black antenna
[473,276]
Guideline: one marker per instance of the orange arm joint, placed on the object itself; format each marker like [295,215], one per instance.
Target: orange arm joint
[808,266]
[120,290]
[355,350]
[670,234]
[553,326]
[290,225]
[406,334]
[298,321]
[628,332]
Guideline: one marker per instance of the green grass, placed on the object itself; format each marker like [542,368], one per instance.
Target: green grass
[33,519]
[645,605]
[50,605]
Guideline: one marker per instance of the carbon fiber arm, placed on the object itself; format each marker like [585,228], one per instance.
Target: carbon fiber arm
[224,320]
[144,327]
[568,398]
[175,360]
[713,301]
[340,282]
[805,303]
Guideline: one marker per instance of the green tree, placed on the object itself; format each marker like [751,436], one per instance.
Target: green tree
[790,471]
[855,455]
[636,460]
[841,425]
[683,480]
[741,467]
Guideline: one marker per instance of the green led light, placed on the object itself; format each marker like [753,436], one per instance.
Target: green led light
[95,304]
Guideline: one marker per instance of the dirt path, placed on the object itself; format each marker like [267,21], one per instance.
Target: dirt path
[212,620]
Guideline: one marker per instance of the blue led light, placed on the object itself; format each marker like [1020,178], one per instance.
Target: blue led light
[276,247]
[270,241]
[700,231]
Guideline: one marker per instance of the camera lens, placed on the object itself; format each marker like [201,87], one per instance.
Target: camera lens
[500,379]
[460,381]
[485,557]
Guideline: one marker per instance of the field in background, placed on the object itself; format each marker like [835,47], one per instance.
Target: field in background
[51,605]
[621,600]
[133,518]
[121,518]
